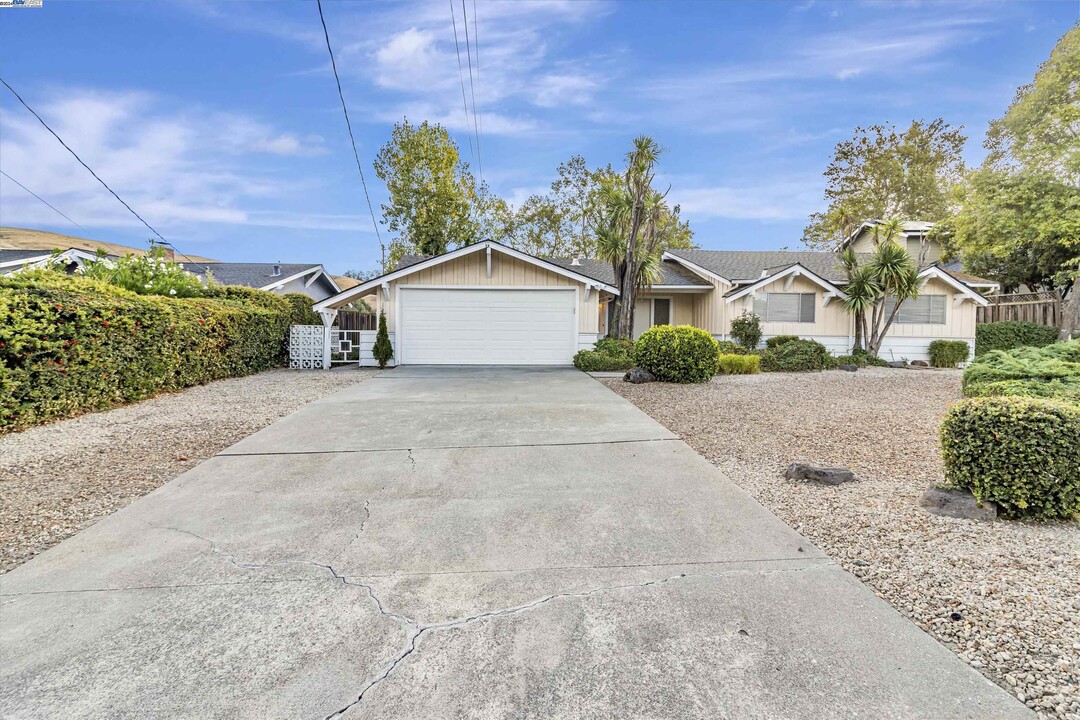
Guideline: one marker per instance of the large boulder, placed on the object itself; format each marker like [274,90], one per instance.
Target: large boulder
[639,376]
[919,364]
[820,475]
[956,503]
[849,368]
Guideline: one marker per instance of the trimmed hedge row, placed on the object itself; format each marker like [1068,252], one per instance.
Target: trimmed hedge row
[735,364]
[1060,361]
[611,354]
[1011,335]
[1021,453]
[796,355]
[948,353]
[70,345]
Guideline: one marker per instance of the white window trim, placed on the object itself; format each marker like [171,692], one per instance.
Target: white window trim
[652,309]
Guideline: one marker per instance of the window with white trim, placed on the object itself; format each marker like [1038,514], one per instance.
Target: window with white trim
[923,310]
[786,307]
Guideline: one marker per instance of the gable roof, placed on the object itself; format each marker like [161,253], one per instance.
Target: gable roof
[743,266]
[945,276]
[256,275]
[486,245]
[671,274]
[796,269]
[908,227]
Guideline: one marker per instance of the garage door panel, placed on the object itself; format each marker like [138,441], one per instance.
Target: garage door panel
[487,327]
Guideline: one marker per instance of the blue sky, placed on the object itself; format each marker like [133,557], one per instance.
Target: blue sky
[219,122]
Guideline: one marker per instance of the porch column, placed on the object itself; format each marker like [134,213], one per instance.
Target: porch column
[327,316]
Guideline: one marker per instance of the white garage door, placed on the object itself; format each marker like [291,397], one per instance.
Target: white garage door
[442,326]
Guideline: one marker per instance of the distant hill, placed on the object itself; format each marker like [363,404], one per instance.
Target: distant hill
[24,239]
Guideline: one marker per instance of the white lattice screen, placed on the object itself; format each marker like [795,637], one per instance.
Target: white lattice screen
[306,346]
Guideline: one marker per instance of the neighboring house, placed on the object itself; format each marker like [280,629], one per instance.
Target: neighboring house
[306,278]
[489,304]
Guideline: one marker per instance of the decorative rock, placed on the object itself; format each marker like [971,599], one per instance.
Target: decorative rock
[919,364]
[849,368]
[820,475]
[897,364]
[639,376]
[956,504]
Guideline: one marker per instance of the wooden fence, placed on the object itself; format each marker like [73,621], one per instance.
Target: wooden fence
[1041,308]
[353,320]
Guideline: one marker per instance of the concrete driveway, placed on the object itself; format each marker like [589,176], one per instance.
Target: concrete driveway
[450,542]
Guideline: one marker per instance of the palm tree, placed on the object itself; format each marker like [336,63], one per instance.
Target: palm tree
[862,291]
[632,228]
[898,278]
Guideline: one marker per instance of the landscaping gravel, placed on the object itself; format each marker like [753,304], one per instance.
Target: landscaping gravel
[1004,595]
[56,479]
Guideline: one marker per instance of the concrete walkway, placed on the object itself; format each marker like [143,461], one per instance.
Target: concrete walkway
[482,543]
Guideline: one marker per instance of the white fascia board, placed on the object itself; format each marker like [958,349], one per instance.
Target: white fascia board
[283,281]
[694,267]
[935,272]
[343,297]
[25,261]
[681,288]
[322,273]
[790,270]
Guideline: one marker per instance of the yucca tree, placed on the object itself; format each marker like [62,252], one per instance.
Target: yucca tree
[863,292]
[633,225]
[898,278]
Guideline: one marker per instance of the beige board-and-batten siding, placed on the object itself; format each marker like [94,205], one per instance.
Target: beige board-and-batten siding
[506,272]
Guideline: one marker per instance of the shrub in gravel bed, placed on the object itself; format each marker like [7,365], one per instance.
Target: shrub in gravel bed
[1021,453]
[1062,389]
[680,353]
[797,356]
[72,344]
[596,361]
[746,329]
[615,346]
[726,347]
[1060,361]
[948,353]
[859,359]
[777,340]
[1010,335]
[733,364]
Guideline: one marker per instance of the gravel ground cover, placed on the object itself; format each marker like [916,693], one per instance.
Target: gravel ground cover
[56,479]
[1004,595]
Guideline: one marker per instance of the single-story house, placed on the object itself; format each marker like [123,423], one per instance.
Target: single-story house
[490,304]
[309,279]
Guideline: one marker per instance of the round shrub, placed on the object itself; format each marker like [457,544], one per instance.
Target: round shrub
[948,353]
[1013,334]
[679,353]
[797,356]
[1021,453]
[615,346]
[746,329]
[777,340]
[597,361]
[739,364]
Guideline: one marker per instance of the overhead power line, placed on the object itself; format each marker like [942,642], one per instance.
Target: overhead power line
[352,138]
[42,200]
[91,171]
[472,90]
[476,47]
[461,76]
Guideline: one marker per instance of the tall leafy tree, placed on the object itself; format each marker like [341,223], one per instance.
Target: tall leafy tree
[432,192]
[633,225]
[885,173]
[1019,212]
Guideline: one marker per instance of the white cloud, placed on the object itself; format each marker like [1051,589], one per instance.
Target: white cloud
[783,200]
[175,169]
[561,90]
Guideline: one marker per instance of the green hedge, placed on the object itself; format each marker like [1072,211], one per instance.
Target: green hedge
[859,359]
[727,347]
[680,353]
[778,340]
[797,356]
[69,344]
[735,364]
[1021,453]
[615,346]
[1010,335]
[1060,388]
[1060,361]
[948,353]
[597,361]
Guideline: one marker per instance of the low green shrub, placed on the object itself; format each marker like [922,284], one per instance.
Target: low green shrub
[1021,453]
[726,347]
[778,340]
[615,346]
[734,364]
[71,344]
[948,353]
[1043,364]
[797,356]
[597,361]
[1010,335]
[679,353]
[1061,388]
[746,330]
[859,358]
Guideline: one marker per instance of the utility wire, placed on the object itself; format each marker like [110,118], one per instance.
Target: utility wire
[42,200]
[91,171]
[472,89]
[476,47]
[461,76]
[352,138]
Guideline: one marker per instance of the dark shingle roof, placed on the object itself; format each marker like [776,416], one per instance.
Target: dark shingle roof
[256,275]
[751,265]
[12,255]
[670,272]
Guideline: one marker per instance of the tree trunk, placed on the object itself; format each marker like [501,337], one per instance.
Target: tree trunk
[1070,315]
[879,333]
[858,332]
